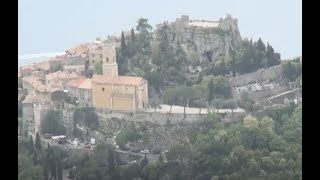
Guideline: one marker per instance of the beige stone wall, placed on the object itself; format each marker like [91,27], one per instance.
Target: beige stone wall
[77,68]
[85,98]
[27,111]
[123,104]
[145,95]
[142,96]
[104,98]
[110,69]
[109,54]
[101,95]
[94,58]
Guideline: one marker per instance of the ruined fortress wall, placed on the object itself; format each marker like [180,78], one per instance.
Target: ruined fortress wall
[262,95]
[203,37]
[260,75]
[156,118]
[118,121]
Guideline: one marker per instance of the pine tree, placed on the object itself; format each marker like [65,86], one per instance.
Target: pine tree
[31,145]
[111,160]
[38,142]
[144,162]
[133,38]
[161,159]
[123,41]
[59,169]
[211,90]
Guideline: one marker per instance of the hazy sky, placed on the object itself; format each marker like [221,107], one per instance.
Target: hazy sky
[54,25]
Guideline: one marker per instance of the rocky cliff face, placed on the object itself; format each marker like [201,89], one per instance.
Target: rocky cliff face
[203,39]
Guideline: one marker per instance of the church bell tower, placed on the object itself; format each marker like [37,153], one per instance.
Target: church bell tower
[110,66]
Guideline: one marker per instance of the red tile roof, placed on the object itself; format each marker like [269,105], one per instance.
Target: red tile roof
[119,80]
[76,82]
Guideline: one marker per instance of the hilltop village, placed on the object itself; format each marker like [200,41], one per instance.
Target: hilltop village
[164,91]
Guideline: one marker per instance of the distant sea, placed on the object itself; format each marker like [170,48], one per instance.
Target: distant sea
[26,59]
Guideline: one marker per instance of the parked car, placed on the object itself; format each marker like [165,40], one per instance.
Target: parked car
[135,149]
[132,162]
[156,150]
[145,151]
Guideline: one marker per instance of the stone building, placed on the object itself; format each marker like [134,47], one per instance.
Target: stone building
[119,93]
[75,64]
[95,56]
[34,108]
[40,108]
[85,89]
[81,90]
[34,83]
[109,55]
[60,78]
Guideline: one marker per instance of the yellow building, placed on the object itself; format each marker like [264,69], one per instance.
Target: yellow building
[117,93]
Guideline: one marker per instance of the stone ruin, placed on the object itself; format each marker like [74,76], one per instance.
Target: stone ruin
[205,38]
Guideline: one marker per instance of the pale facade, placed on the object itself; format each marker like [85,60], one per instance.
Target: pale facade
[81,90]
[95,56]
[122,93]
[110,66]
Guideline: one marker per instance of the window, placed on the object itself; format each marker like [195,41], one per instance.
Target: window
[107,59]
[102,89]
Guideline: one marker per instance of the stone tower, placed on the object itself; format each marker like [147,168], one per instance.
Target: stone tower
[110,66]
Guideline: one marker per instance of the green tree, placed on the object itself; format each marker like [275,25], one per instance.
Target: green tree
[169,95]
[31,144]
[160,159]
[52,123]
[123,41]
[30,173]
[98,68]
[38,142]
[88,171]
[177,152]
[59,170]
[144,161]
[133,38]
[133,171]
[143,25]
[149,172]
[211,91]
[89,73]
[154,78]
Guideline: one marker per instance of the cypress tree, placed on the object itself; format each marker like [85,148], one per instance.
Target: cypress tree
[31,145]
[133,38]
[211,90]
[38,142]
[111,160]
[59,169]
[123,41]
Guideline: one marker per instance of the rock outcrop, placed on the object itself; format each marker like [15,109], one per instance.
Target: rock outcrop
[203,39]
